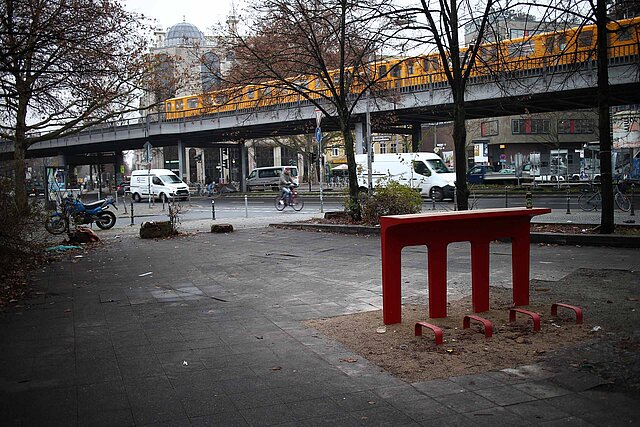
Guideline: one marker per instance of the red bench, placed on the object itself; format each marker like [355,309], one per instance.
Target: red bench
[436,230]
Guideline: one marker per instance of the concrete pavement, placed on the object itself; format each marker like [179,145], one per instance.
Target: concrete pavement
[205,329]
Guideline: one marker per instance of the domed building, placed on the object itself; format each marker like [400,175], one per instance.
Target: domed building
[180,69]
[184,34]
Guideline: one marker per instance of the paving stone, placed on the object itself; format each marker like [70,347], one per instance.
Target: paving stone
[537,411]
[476,381]
[439,387]
[496,416]
[542,389]
[465,402]
[505,395]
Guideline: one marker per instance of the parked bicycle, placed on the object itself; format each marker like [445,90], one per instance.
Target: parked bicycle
[591,198]
[293,200]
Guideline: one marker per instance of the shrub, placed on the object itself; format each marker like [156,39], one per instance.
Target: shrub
[390,198]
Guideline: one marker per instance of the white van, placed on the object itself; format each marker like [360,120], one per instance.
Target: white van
[160,183]
[269,177]
[424,171]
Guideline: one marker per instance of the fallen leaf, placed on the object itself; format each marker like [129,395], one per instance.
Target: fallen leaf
[349,360]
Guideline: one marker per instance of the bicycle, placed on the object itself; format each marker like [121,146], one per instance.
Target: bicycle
[590,199]
[294,200]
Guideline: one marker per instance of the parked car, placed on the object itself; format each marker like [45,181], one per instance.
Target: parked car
[123,188]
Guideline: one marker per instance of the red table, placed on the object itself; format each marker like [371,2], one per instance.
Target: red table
[436,230]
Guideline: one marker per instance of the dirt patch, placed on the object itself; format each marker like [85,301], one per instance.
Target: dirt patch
[606,343]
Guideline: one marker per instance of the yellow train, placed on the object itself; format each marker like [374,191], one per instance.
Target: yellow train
[551,49]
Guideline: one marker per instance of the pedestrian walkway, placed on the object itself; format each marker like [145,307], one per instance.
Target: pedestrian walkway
[206,329]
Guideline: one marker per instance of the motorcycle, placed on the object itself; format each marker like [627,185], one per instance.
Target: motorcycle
[72,209]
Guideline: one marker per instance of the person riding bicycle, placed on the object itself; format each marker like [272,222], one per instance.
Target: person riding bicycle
[286,183]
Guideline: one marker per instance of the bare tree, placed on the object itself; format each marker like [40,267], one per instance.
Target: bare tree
[439,23]
[324,51]
[64,66]
[604,15]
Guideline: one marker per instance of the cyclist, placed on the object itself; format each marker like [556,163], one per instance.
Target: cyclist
[286,183]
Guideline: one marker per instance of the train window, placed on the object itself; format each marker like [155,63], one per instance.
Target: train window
[521,49]
[168,106]
[302,84]
[431,64]
[488,53]
[192,103]
[585,38]
[549,44]
[561,42]
[221,98]
[624,34]
[179,104]
[267,91]
[410,69]
[382,70]
[396,71]
[251,93]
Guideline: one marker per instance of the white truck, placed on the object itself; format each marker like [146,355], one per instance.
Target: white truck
[159,183]
[425,172]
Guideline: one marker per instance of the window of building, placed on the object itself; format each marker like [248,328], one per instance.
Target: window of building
[383,147]
[335,152]
[394,147]
[575,126]
[489,128]
[530,126]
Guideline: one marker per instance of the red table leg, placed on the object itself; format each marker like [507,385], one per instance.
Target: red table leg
[437,275]
[520,256]
[391,275]
[480,276]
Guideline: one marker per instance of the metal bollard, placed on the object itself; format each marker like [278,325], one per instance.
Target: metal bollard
[213,209]
[433,204]
[132,212]
[163,204]
[506,196]
[529,200]
[568,201]
[246,207]
[633,211]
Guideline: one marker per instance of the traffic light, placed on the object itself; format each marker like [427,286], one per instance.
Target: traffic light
[225,163]
[314,157]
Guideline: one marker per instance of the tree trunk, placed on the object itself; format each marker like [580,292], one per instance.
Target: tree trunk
[354,205]
[19,178]
[604,121]
[460,144]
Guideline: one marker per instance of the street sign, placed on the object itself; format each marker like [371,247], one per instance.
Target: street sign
[318,134]
[318,116]
[148,153]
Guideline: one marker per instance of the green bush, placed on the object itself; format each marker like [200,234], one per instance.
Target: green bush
[390,198]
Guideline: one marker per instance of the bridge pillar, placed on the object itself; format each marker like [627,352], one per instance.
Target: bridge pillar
[416,137]
[359,138]
[118,162]
[181,160]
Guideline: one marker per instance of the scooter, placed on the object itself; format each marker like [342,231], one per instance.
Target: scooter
[72,209]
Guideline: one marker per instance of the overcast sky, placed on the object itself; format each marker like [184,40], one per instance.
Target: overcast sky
[202,14]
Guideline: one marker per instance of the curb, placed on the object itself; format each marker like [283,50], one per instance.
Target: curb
[610,240]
